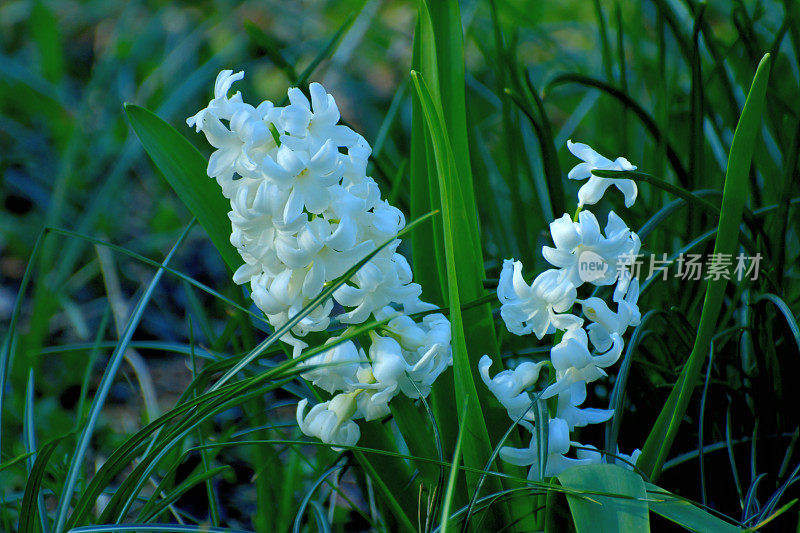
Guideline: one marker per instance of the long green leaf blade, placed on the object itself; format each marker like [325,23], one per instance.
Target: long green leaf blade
[114,362]
[184,168]
[478,448]
[684,513]
[625,511]
[734,195]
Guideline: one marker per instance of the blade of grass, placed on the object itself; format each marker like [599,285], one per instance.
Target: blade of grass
[505,68]
[125,495]
[441,62]
[791,322]
[624,509]
[271,48]
[683,512]
[547,144]
[27,512]
[29,440]
[451,479]
[781,221]
[154,528]
[213,509]
[478,448]
[427,246]
[307,499]
[495,452]
[150,512]
[696,112]
[616,401]
[45,32]
[623,75]
[327,51]
[210,402]
[114,362]
[184,168]
[10,339]
[662,435]
[16,460]
[156,264]
[605,47]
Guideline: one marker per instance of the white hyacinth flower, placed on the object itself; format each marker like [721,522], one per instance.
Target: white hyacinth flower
[331,422]
[591,453]
[568,408]
[303,212]
[222,106]
[604,322]
[574,363]
[308,122]
[309,174]
[509,386]
[539,308]
[580,245]
[426,349]
[558,444]
[592,191]
[336,368]
[627,461]
[582,254]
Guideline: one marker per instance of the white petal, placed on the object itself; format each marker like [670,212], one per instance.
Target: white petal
[565,235]
[225,79]
[581,171]
[519,456]
[592,191]
[628,189]
[589,228]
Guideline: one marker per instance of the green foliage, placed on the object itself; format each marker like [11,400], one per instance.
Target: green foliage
[184,168]
[626,510]
[733,199]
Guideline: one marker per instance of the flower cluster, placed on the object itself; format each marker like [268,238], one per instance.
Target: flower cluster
[583,254]
[304,211]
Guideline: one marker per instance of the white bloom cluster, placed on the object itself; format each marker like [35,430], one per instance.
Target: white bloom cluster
[582,254]
[304,211]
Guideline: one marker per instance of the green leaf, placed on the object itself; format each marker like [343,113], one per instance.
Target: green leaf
[682,512]
[45,32]
[184,168]
[390,477]
[110,373]
[200,408]
[735,192]
[15,460]
[442,177]
[8,348]
[154,528]
[327,51]
[29,440]
[155,507]
[451,479]
[427,247]
[620,507]
[27,511]
[478,448]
